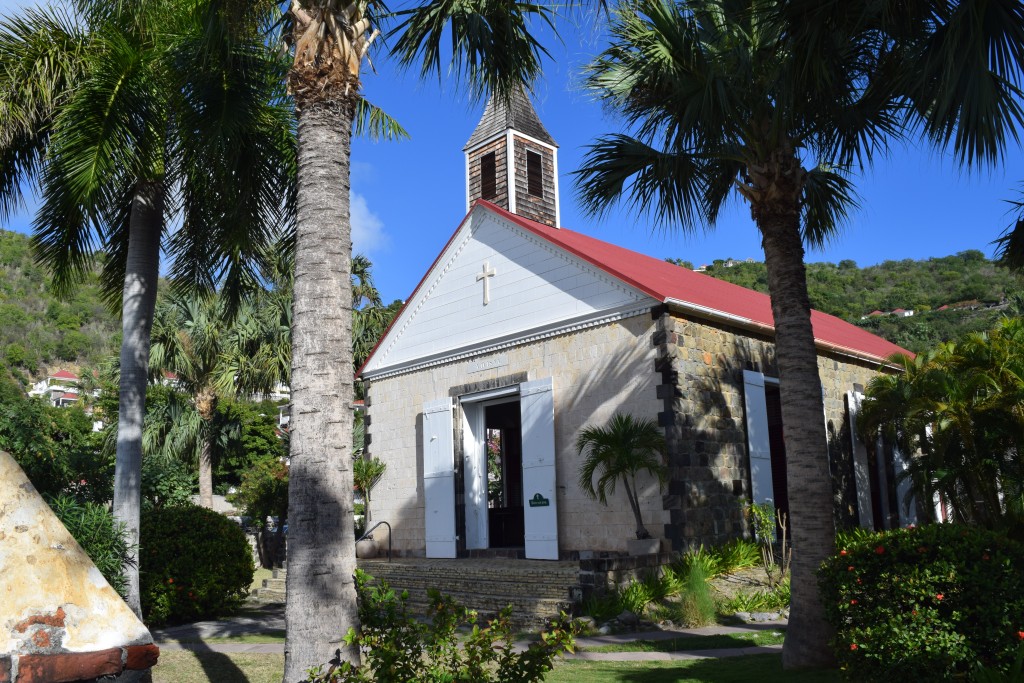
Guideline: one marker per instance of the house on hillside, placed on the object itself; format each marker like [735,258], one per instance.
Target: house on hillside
[522,332]
[60,388]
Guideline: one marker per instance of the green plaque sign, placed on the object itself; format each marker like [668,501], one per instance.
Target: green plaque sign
[539,501]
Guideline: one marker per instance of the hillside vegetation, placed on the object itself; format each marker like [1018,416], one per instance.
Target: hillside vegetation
[974,289]
[40,332]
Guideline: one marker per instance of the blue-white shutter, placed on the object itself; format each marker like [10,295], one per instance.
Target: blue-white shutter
[861,469]
[439,478]
[758,443]
[540,502]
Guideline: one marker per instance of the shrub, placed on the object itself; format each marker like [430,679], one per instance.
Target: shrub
[102,539]
[196,564]
[696,604]
[925,603]
[398,647]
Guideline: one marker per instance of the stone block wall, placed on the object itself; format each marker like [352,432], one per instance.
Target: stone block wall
[701,367]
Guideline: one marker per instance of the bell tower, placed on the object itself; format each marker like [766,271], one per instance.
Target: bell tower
[512,161]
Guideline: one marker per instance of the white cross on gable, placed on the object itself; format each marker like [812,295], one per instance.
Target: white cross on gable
[487,273]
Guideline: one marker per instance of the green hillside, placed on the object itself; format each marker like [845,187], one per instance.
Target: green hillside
[40,332]
[974,289]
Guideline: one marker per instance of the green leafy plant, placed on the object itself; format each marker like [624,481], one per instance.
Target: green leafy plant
[195,564]
[992,674]
[104,540]
[620,451]
[927,603]
[708,562]
[366,472]
[636,596]
[399,647]
[776,598]
[736,554]
[263,493]
[603,607]
[766,523]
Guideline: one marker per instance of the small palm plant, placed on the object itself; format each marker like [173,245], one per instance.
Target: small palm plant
[621,450]
[365,474]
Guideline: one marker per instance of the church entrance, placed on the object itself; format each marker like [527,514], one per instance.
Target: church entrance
[499,490]
[493,480]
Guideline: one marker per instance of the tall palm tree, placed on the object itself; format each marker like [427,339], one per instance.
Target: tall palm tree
[126,115]
[777,101]
[330,41]
[619,452]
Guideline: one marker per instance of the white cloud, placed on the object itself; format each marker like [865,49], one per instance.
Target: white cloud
[368,234]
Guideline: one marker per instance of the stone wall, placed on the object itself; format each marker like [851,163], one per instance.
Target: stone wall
[701,367]
[583,365]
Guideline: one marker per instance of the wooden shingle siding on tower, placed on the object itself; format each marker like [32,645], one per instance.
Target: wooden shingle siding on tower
[540,209]
[500,171]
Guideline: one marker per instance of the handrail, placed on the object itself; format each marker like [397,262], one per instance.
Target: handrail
[370,531]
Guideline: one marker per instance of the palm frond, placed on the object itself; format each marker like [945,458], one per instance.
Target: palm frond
[492,48]
[668,187]
[373,122]
[828,199]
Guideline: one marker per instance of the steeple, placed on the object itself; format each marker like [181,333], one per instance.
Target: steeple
[512,161]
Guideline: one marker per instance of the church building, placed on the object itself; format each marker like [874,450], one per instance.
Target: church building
[522,332]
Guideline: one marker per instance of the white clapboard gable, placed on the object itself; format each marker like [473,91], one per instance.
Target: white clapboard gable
[531,286]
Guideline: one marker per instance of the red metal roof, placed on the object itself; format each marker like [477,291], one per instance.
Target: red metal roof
[670,283]
[64,374]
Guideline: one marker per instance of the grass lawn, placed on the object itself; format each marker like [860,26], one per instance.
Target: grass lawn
[212,667]
[695,643]
[258,576]
[760,668]
[180,666]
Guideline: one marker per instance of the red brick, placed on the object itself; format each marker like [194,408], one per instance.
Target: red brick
[56,620]
[142,657]
[72,666]
[5,669]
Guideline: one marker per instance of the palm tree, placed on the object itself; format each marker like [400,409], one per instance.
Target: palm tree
[330,40]
[959,408]
[620,451]
[127,114]
[212,355]
[777,101]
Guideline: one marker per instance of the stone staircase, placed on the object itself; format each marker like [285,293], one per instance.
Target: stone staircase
[272,589]
[537,590]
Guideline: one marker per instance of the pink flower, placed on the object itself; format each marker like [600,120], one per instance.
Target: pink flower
[853,646]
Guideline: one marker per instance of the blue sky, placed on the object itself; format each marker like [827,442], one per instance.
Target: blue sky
[408,197]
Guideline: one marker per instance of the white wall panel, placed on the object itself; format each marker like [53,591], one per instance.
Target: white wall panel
[536,285]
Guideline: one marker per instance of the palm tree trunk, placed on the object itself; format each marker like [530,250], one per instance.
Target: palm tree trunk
[641,530]
[140,282]
[206,473]
[206,402]
[321,595]
[809,484]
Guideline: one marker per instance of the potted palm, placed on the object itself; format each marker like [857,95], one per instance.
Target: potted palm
[366,472]
[618,452]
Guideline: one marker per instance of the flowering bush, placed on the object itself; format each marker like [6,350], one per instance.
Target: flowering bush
[926,603]
[194,564]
